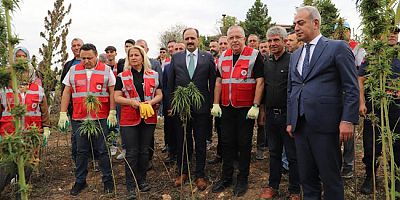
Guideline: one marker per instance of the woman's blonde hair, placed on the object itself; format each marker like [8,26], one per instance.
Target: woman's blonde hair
[146,61]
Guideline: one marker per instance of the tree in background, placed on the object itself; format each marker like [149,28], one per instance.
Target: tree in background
[257,20]
[173,33]
[329,15]
[55,34]
[226,22]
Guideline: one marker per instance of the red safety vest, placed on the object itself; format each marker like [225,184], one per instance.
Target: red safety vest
[32,99]
[98,87]
[131,116]
[238,83]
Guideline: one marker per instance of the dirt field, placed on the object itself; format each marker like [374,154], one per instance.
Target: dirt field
[55,177]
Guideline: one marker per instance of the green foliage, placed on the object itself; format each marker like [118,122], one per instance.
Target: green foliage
[89,128]
[5,77]
[3,39]
[92,103]
[257,20]
[55,34]
[185,99]
[173,33]
[379,20]
[329,15]
[308,2]
[227,22]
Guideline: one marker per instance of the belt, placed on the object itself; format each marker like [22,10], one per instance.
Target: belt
[277,111]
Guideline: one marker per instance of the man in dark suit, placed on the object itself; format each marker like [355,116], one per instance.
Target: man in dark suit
[198,67]
[323,101]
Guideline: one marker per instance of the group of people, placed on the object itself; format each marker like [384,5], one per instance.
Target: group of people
[303,91]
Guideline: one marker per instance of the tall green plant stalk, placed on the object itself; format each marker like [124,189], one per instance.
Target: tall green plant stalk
[183,100]
[379,19]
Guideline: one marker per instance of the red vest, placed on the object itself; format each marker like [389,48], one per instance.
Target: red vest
[131,116]
[33,98]
[98,87]
[238,84]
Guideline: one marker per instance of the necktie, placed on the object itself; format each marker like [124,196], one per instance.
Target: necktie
[191,65]
[306,62]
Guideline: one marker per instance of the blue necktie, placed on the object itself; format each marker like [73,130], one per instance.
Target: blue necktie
[306,62]
[304,72]
[191,65]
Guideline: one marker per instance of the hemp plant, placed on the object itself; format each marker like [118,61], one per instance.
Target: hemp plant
[183,101]
[379,18]
[20,148]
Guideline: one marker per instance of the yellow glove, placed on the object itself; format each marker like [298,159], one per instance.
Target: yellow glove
[149,110]
[63,122]
[112,119]
[253,112]
[142,110]
[216,110]
[46,134]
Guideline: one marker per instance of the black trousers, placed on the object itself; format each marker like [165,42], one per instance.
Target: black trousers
[236,137]
[137,142]
[368,139]
[200,126]
[170,134]
[319,159]
[277,139]
[217,125]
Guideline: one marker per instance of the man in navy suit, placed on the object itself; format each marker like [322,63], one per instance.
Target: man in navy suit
[323,101]
[198,67]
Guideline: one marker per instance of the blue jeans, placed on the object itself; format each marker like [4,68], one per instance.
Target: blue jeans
[99,148]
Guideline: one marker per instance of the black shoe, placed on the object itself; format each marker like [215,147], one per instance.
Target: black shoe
[216,160]
[77,188]
[131,195]
[367,186]
[144,187]
[240,189]
[109,187]
[220,185]
[347,174]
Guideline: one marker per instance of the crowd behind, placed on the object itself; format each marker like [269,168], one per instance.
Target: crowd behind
[302,92]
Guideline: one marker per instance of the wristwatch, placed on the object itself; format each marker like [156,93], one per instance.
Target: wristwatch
[255,105]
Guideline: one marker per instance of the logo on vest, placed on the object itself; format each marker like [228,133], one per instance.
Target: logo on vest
[98,87]
[34,105]
[151,90]
[243,72]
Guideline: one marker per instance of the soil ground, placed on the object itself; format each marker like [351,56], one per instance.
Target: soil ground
[55,177]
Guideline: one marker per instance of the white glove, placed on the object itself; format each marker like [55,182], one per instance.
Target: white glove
[216,110]
[112,119]
[63,122]
[253,112]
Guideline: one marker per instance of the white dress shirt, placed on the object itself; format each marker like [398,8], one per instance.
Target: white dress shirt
[303,53]
[195,56]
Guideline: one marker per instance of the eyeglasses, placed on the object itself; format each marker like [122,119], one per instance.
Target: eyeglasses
[163,52]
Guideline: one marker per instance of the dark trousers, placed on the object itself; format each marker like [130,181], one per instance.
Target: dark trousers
[199,124]
[319,159]
[137,142]
[217,125]
[261,137]
[236,137]
[99,148]
[169,134]
[75,126]
[348,154]
[277,139]
[368,139]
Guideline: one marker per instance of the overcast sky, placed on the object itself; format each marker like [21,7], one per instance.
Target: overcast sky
[111,22]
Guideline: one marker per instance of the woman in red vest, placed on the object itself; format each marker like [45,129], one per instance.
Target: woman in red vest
[31,94]
[137,90]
